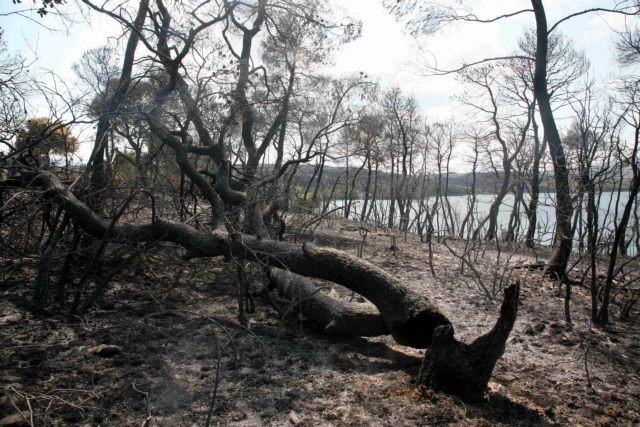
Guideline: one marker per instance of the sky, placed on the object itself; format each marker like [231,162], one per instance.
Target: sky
[385,51]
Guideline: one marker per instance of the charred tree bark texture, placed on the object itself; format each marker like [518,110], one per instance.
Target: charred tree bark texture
[410,316]
[333,315]
[464,369]
[563,241]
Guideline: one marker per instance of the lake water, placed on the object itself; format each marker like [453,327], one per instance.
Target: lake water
[459,207]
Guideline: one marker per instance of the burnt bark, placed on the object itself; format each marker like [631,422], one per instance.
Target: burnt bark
[557,265]
[465,369]
[410,316]
[333,315]
[532,208]
[111,105]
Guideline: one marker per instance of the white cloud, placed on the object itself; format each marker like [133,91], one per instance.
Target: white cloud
[388,53]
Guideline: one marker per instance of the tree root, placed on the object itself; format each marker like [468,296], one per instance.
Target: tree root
[464,369]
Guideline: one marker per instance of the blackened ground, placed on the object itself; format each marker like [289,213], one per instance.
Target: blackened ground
[167,318]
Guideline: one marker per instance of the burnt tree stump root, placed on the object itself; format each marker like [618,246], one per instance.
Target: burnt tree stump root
[465,369]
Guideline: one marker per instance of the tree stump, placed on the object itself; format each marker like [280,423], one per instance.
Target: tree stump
[465,369]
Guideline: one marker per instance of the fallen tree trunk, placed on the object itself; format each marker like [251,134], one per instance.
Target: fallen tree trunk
[333,315]
[409,315]
[411,318]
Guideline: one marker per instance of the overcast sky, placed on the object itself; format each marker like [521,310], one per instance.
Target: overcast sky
[385,51]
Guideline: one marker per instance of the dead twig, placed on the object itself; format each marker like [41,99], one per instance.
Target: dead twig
[214,395]
[30,421]
[146,401]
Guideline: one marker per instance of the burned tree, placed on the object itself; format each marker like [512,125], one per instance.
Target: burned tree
[219,138]
[434,16]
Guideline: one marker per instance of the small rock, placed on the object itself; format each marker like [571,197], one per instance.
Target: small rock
[105,350]
[247,372]
[498,389]
[507,377]
[242,406]
[534,329]
[292,393]
[9,320]
[555,328]
[568,341]
[294,418]
[15,419]
[549,412]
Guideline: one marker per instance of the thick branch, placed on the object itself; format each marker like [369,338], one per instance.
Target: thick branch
[344,318]
[189,169]
[596,9]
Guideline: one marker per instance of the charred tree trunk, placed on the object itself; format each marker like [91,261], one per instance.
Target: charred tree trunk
[365,203]
[513,229]
[494,210]
[532,208]
[557,265]
[620,231]
[334,316]
[392,195]
[468,219]
[409,315]
[450,223]
[313,177]
[316,189]
[373,205]
[98,158]
[465,369]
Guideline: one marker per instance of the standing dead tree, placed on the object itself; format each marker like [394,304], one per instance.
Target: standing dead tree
[510,137]
[433,16]
[630,116]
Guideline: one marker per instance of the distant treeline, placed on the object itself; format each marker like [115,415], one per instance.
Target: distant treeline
[459,183]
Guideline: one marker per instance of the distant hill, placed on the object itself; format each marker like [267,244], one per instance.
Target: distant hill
[459,183]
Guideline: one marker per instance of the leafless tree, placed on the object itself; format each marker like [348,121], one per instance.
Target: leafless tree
[433,16]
